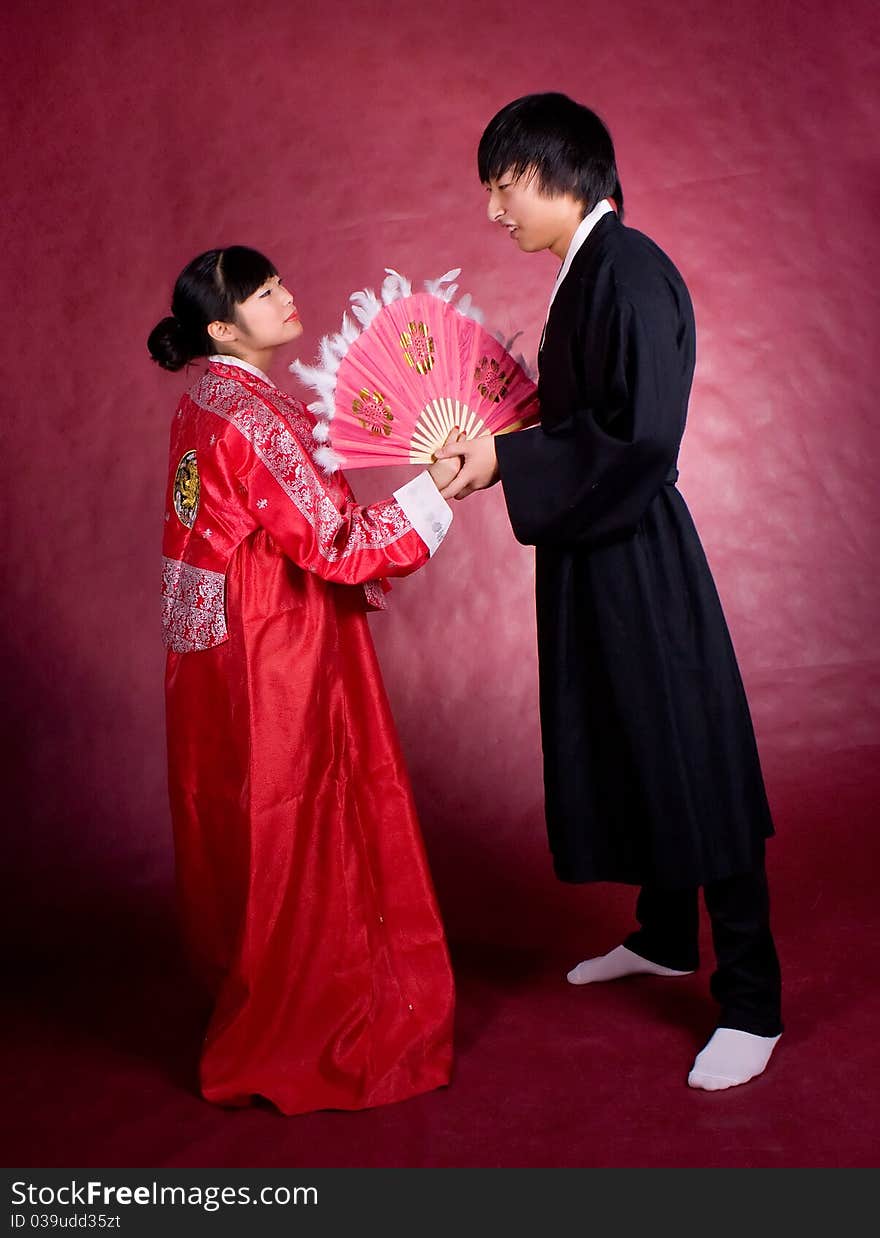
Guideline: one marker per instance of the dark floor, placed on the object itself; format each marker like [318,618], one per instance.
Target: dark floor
[103,1027]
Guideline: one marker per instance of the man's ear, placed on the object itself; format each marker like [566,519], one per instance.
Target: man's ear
[222,332]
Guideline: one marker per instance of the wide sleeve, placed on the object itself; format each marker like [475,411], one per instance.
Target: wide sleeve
[318,524]
[591,474]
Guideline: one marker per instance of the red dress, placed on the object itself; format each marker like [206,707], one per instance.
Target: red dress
[304,889]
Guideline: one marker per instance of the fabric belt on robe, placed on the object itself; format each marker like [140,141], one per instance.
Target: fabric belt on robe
[671,477]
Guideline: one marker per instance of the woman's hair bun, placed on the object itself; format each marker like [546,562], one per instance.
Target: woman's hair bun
[169,344]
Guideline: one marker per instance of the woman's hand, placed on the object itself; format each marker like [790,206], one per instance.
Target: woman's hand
[444,472]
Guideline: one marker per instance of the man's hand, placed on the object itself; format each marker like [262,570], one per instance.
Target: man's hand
[479,466]
[444,471]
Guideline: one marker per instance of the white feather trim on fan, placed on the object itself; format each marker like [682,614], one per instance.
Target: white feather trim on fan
[469,310]
[365,305]
[328,459]
[395,286]
[436,289]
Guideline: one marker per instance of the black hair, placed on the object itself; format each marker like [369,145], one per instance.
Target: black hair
[565,145]
[207,290]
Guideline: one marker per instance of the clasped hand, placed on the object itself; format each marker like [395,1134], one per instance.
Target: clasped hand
[464,465]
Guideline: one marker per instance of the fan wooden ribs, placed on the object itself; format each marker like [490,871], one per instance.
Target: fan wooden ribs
[416,367]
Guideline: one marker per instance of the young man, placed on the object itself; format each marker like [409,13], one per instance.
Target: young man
[650,765]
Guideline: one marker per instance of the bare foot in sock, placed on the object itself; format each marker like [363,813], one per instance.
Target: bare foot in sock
[618,962]
[731,1057]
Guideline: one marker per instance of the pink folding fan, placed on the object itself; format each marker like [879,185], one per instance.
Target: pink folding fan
[415,366]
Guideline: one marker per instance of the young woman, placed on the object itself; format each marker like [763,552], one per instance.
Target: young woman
[304,890]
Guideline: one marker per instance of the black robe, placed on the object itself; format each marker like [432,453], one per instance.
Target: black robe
[651,771]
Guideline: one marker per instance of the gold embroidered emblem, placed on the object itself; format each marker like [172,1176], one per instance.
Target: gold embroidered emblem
[186,489]
[372,412]
[418,347]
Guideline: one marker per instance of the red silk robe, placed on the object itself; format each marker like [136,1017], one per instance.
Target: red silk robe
[304,890]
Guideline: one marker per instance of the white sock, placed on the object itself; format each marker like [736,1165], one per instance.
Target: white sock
[616,963]
[730,1057]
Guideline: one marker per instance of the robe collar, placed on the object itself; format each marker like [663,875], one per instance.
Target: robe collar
[585,227]
[226,359]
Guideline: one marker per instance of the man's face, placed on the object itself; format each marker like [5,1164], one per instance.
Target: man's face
[533,218]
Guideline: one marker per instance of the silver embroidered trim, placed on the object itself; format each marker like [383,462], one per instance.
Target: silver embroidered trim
[289,462]
[193,607]
[375,595]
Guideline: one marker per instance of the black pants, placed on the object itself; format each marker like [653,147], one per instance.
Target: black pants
[746,982]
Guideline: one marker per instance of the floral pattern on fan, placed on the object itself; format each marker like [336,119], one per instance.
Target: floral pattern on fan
[418,347]
[372,412]
[405,369]
[490,379]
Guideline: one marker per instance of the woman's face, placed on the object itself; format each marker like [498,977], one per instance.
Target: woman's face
[268,317]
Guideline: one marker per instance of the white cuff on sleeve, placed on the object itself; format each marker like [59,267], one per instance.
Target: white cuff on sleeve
[427,511]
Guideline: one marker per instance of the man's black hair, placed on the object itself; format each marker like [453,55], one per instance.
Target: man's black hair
[564,144]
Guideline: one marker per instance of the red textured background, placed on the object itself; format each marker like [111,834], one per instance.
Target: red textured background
[340,139]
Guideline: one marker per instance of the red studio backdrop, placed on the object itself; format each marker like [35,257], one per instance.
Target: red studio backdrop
[340,138]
